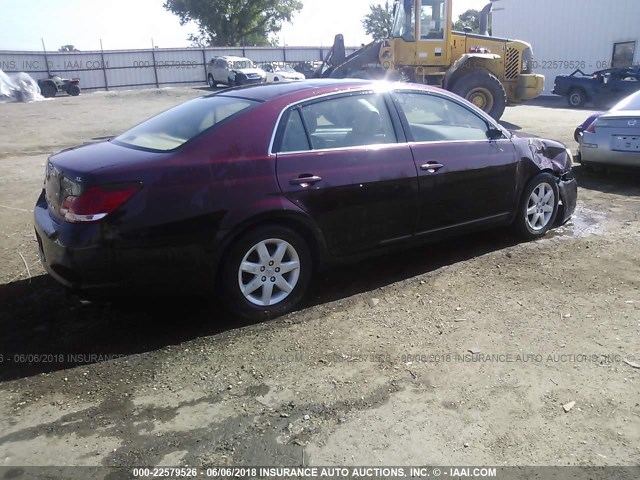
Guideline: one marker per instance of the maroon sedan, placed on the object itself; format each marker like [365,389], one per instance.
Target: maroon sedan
[249,190]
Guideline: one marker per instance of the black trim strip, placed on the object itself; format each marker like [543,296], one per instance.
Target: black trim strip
[464,224]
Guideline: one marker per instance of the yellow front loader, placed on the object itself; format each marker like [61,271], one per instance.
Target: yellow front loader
[423,48]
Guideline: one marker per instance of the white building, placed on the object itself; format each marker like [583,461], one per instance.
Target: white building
[568,34]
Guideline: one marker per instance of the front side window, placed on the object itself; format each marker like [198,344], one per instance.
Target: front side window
[432,118]
[175,127]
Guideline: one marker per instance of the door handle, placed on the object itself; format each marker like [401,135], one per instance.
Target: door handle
[305,180]
[431,166]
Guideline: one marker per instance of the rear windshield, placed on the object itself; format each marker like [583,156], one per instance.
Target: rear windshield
[632,102]
[177,126]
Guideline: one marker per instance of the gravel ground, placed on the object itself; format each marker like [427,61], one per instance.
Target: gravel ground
[458,353]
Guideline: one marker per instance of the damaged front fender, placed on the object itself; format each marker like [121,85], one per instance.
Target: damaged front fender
[551,156]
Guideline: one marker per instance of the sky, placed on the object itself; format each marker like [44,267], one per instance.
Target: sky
[126,24]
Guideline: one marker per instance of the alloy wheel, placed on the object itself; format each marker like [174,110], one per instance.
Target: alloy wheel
[269,272]
[540,207]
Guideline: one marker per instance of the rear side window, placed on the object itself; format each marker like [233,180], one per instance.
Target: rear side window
[432,118]
[349,122]
[175,127]
[294,138]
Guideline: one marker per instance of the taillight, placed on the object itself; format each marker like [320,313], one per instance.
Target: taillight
[97,202]
[592,127]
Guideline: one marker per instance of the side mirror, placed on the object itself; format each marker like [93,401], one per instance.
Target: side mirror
[494,134]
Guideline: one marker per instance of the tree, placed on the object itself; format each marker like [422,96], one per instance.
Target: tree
[234,23]
[471,19]
[379,21]
[68,48]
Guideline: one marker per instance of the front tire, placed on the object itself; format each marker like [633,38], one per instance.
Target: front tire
[538,207]
[484,90]
[266,273]
[211,81]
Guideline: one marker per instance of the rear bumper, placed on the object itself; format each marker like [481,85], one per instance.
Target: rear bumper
[89,257]
[603,155]
[72,254]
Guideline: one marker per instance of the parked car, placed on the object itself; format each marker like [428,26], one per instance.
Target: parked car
[331,170]
[604,87]
[233,71]
[613,137]
[577,134]
[275,73]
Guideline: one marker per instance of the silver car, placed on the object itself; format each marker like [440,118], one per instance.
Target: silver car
[232,71]
[614,137]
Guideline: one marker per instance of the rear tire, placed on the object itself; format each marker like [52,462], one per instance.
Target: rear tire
[73,90]
[538,207]
[577,98]
[211,81]
[259,269]
[484,90]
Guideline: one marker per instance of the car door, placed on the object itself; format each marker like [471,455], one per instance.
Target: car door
[344,162]
[465,179]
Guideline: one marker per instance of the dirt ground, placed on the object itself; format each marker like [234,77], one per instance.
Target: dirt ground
[467,358]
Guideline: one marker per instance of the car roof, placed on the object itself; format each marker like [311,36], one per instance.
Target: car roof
[314,87]
[234,58]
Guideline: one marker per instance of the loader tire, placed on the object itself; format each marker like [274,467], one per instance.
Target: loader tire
[484,90]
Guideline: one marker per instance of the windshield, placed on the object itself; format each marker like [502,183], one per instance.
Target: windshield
[240,64]
[177,126]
